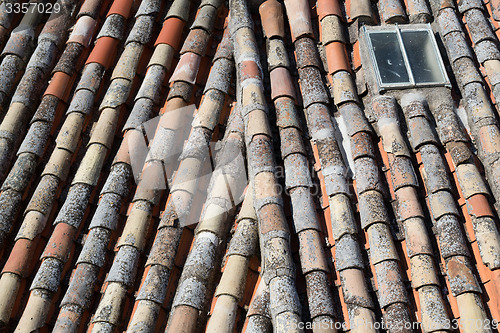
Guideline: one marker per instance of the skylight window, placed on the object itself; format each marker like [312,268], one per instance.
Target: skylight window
[405,57]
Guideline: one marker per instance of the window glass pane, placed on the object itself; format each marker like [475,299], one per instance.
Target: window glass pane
[389,58]
[422,56]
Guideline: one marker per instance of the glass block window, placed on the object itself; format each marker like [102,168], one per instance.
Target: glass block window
[405,57]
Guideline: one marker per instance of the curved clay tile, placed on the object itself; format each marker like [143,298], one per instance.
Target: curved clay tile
[328,7]
[299,18]
[336,57]
[419,11]
[7,19]
[258,317]
[392,11]
[171,33]
[121,7]
[187,68]
[361,11]
[271,13]
[91,8]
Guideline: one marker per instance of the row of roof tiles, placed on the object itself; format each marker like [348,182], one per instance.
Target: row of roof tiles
[198,280]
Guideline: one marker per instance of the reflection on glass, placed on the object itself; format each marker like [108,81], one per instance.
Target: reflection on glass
[422,57]
[389,58]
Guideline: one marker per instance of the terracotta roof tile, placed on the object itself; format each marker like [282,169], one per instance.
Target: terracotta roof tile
[171,33]
[121,8]
[299,17]
[337,57]
[328,7]
[196,42]
[100,53]
[271,13]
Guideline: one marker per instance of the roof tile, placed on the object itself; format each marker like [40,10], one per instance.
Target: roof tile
[347,254]
[487,236]
[337,57]
[171,33]
[478,206]
[83,278]
[205,18]
[461,277]
[451,238]
[465,5]
[299,18]
[419,12]
[372,209]
[390,287]
[89,8]
[298,171]
[435,174]
[113,27]
[276,54]
[32,226]
[487,50]
[402,172]
[433,312]
[479,28]
[141,31]
[416,245]
[281,83]
[47,276]
[442,203]
[94,252]
[121,7]
[332,30]
[102,50]
[362,146]
[38,202]
[19,256]
[304,214]
[312,87]
[196,42]
[328,7]
[423,271]
[312,255]
[59,86]
[470,180]
[306,53]
[320,304]
[370,180]
[381,246]
[361,10]
[392,11]
[271,14]
[344,88]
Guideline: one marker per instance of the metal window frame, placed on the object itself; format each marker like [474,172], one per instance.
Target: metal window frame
[367,31]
